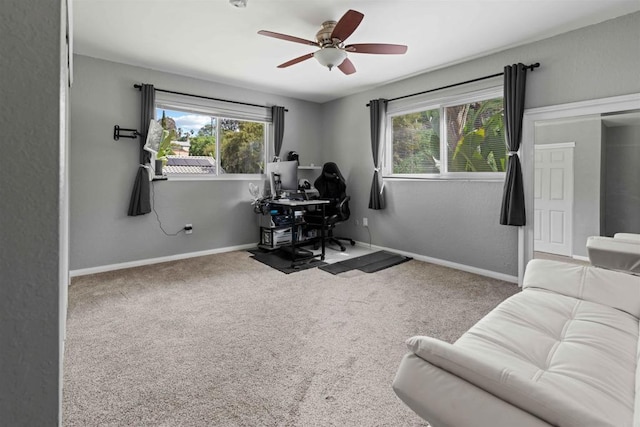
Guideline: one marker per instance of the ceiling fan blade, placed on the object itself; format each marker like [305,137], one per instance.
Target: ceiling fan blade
[347,67]
[347,25]
[287,37]
[296,60]
[377,48]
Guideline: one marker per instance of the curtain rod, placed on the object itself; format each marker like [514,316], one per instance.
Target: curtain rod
[531,67]
[137,86]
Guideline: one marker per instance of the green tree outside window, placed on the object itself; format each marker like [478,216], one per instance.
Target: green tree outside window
[474,139]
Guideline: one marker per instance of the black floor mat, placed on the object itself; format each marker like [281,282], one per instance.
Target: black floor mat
[384,263]
[353,263]
[367,263]
[282,262]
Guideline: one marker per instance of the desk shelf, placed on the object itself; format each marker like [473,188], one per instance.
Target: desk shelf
[273,236]
[279,236]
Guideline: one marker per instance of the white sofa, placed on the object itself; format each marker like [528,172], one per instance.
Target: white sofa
[628,236]
[620,252]
[562,352]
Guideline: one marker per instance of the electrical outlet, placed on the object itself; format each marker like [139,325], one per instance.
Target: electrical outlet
[365,222]
[188,229]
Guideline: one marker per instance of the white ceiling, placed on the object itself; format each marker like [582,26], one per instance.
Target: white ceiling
[212,40]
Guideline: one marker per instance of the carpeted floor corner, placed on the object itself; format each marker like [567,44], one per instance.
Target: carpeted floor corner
[223,340]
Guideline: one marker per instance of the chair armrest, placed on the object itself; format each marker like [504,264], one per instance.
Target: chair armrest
[319,220]
[343,202]
[342,209]
[315,217]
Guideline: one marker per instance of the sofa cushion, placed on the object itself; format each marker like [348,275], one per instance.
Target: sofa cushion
[568,361]
[612,288]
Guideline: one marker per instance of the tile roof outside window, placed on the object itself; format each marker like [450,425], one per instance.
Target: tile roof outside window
[190,165]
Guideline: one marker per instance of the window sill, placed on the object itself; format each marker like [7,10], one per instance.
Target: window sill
[196,177]
[492,177]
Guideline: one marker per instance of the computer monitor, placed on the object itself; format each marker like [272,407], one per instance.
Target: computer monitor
[154,137]
[286,173]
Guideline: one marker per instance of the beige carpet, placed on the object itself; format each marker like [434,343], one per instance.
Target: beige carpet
[224,340]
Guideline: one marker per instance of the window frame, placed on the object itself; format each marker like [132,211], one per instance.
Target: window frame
[219,110]
[441,103]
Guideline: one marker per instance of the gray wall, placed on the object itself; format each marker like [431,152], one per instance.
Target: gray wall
[622,200]
[603,179]
[587,134]
[103,170]
[426,218]
[455,221]
[589,63]
[31,230]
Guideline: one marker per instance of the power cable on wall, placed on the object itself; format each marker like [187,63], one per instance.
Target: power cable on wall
[369,231]
[153,208]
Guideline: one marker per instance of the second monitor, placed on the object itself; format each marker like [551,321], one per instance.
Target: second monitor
[283,177]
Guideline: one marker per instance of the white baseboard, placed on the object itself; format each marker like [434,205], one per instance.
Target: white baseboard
[139,263]
[462,267]
[177,257]
[581,258]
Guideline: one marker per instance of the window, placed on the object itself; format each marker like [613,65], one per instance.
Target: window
[209,140]
[462,137]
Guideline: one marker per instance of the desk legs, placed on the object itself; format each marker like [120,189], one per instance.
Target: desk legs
[324,223]
[294,234]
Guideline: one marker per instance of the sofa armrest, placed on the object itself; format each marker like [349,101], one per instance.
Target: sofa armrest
[614,253]
[611,288]
[631,237]
[447,400]
[548,405]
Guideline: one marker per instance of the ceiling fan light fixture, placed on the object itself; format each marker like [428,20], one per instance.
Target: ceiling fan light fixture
[238,3]
[330,39]
[330,56]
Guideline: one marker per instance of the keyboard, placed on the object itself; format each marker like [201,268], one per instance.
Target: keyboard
[297,196]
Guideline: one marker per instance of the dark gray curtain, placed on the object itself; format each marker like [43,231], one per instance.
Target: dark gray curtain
[277,116]
[377,110]
[515,78]
[140,202]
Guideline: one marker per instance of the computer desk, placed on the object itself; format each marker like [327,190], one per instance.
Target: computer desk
[293,205]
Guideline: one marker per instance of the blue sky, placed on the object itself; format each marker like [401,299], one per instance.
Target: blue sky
[185,120]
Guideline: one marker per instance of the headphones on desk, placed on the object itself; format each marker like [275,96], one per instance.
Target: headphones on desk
[293,156]
[304,184]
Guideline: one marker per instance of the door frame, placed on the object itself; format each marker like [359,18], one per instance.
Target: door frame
[530,117]
[557,146]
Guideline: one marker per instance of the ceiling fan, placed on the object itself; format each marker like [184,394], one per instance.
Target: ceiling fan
[330,39]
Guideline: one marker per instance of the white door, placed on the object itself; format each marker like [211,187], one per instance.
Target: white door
[553,198]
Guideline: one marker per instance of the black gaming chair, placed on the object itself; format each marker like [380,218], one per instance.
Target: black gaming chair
[331,186]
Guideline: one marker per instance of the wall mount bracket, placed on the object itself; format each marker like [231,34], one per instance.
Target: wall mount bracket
[117,133]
